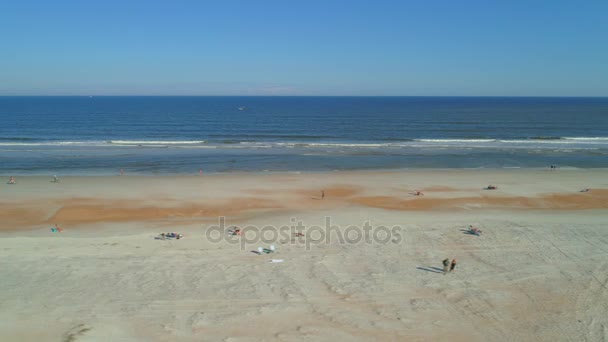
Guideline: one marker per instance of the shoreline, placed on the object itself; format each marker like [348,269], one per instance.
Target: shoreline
[288,172]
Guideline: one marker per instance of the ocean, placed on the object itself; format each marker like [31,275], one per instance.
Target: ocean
[180,135]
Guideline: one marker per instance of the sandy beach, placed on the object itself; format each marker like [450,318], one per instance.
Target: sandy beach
[538,271]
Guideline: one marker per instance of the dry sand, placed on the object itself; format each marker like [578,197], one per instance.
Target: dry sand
[538,272]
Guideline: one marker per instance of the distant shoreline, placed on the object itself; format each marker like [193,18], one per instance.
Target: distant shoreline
[196,174]
[330,96]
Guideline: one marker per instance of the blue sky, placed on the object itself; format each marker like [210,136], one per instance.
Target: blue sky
[512,48]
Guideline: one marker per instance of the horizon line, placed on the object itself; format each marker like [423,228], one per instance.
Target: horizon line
[488,96]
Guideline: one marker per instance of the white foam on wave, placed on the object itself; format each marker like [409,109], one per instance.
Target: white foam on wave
[454,140]
[186,147]
[331,145]
[587,138]
[574,142]
[338,145]
[422,143]
[156,142]
[557,141]
[55,143]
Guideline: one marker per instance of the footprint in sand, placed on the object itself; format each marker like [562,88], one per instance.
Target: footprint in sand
[76,332]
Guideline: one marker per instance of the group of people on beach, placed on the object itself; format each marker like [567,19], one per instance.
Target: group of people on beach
[171,235]
[448,266]
[12,180]
[235,231]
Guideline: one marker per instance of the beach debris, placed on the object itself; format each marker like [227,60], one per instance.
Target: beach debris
[276,260]
[261,250]
[269,250]
[491,187]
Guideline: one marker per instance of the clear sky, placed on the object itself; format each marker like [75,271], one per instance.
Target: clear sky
[307,47]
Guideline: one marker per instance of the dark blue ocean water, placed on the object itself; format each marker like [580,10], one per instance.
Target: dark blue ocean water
[169,135]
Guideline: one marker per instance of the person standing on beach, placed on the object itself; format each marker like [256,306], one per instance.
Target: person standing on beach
[446,265]
[452,265]
[322,194]
[122,172]
[200,172]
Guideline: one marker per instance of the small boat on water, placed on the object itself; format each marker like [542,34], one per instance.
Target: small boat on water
[242,108]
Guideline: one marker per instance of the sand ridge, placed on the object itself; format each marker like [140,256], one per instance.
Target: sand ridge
[87,210]
[91,210]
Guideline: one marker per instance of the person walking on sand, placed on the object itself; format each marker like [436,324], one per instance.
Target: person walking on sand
[452,265]
[122,172]
[446,265]
[322,194]
[200,172]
